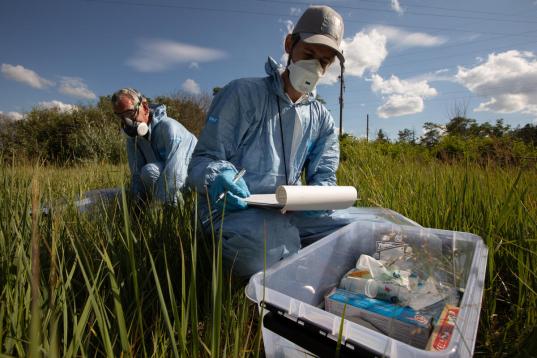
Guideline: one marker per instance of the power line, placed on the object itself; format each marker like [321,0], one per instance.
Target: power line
[470,95]
[445,8]
[433,58]
[457,54]
[451,29]
[410,12]
[454,46]
[250,12]
[228,10]
[184,7]
[472,42]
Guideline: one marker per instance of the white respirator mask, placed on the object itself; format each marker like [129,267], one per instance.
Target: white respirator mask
[305,74]
[133,128]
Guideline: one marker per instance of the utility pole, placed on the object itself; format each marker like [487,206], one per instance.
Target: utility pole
[367,129]
[341,89]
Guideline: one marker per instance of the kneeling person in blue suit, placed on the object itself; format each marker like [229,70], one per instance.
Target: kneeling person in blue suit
[158,147]
[275,129]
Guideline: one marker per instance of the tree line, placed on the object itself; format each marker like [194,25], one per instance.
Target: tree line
[465,138]
[92,133]
[84,134]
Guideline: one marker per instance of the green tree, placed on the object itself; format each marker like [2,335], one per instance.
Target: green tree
[500,129]
[432,134]
[407,136]
[461,126]
[382,137]
[527,134]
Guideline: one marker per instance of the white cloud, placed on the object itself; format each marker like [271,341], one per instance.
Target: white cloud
[11,116]
[394,85]
[367,50]
[161,55]
[58,106]
[403,39]
[194,65]
[397,7]
[21,74]
[507,79]
[438,75]
[75,87]
[191,86]
[295,11]
[401,97]
[400,105]
[364,52]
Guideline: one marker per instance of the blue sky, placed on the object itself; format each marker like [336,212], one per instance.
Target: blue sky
[408,61]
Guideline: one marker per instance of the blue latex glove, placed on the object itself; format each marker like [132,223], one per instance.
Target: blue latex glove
[235,191]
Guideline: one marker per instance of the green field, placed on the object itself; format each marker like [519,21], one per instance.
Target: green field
[147,283]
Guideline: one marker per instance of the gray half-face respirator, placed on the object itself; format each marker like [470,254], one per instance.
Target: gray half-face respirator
[130,126]
[133,128]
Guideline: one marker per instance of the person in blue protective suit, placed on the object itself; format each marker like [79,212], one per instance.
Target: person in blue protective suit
[275,129]
[158,147]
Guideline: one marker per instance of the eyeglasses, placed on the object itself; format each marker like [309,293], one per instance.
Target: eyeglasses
[129,113]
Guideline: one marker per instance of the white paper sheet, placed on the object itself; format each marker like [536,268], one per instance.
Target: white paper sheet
[306,197]
[309,197]
[263,200]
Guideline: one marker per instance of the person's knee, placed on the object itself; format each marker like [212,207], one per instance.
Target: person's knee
[150,174]
[246,262]
[248,255]
[254,235]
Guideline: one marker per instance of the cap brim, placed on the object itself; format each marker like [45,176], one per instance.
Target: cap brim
[319,39]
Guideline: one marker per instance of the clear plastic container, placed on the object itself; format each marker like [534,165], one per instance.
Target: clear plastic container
[95,199]
[296,286]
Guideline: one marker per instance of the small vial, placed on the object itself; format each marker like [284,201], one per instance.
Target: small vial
[364,286]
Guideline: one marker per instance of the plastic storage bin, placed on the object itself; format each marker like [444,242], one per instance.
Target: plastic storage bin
[291,293]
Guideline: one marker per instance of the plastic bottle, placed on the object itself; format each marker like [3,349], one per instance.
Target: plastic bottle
[375,289]
[364,286]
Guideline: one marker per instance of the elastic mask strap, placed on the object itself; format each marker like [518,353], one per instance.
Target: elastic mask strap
[283,144]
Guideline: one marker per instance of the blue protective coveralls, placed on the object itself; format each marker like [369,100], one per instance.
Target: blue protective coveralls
[243,131]
[159,161]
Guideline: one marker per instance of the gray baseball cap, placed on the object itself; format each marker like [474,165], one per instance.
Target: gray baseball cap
[321,25]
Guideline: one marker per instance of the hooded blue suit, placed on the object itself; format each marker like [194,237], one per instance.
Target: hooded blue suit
[159,162]
[243,131]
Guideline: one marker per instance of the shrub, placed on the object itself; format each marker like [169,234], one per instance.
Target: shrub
[188,110]
[87,134]
[83,135]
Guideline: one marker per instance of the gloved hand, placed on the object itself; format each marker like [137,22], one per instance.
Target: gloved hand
[235,191]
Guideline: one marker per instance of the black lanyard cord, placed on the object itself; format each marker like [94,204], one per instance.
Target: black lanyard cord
[283,144]
[281,134]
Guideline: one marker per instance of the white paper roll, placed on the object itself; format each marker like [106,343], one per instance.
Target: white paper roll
[309,197]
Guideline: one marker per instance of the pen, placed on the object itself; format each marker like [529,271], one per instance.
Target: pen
[236,178]
[215,211]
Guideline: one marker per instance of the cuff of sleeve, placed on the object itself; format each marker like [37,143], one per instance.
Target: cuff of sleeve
[216,168]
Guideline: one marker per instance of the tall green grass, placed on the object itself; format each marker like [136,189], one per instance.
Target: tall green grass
[148,283]
[113,283]
[497,203]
